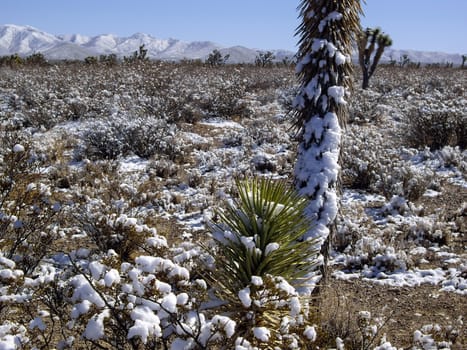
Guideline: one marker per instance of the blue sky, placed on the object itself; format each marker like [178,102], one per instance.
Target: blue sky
[429,25]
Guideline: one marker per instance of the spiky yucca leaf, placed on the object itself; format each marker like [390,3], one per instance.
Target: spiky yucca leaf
[260,235]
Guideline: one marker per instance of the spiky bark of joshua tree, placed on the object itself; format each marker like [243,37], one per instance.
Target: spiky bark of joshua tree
[324,68]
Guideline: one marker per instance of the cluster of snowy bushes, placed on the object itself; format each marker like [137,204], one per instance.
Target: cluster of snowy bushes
[111,175]
[404,142]
[42,97]
[127,287]
[116,136]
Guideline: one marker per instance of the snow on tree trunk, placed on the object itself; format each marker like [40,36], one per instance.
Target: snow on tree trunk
[324,69]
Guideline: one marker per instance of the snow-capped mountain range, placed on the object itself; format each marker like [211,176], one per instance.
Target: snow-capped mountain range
[26,40]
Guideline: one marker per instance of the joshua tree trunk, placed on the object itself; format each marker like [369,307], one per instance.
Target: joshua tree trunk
[367,58]
[324,69]
[365,79]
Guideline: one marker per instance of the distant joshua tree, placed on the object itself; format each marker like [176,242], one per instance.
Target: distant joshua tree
[91,60]
[404,60]
[464,58]
[264,59]
[109,60]
[324,67]
[368,58]
[142,53]
[138,56]
[287,61]
[215,58]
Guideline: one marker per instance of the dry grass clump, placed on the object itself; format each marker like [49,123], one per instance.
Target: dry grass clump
[342,323]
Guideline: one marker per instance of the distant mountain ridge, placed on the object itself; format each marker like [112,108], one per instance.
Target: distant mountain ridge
[26,40]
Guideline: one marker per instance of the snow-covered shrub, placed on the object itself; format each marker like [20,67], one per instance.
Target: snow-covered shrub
[259,133]
[364,107]
[448,157]
[43,107]
[98,301]
[123,135]
[10,282]
[227,99]
[164,168]
[268,79]
[426,230]
[204,92]
[403,179]
[117,215]
[344,325]
[286,97]
[263,163]
[459,217]
[435,336]
[29,207]
[270,313]
[386,262]
[149,303]
[436,127]
[361,157]
[12,335]
[233,138]
[30,222]
[369,165]
[372,256]
[350,231]
[123,234]
[367,329]
[397,205]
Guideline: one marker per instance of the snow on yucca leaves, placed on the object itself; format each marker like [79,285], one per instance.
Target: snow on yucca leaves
[261,263]
[260,234]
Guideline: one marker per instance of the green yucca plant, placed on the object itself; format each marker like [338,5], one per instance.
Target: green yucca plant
[260,235]
[262,259]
